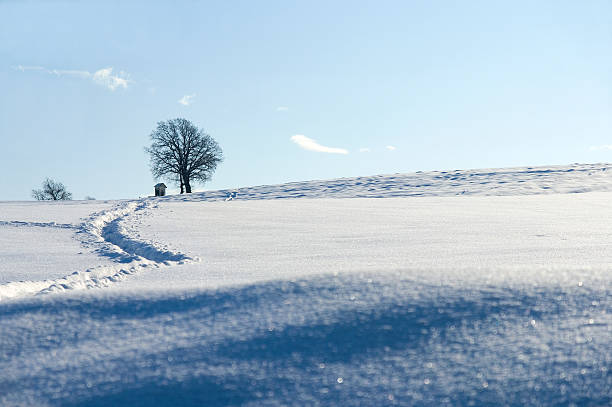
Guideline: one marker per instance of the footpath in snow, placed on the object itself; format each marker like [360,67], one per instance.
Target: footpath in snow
[35,250]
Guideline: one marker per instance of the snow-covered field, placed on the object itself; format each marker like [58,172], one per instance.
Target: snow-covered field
[482,287]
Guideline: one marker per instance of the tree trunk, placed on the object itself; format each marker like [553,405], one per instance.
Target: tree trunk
[182,184]
[187,185]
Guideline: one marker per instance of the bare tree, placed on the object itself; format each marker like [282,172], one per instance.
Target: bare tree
[183,153]
[51,191]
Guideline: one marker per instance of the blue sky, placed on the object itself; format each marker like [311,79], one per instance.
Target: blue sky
[380,86]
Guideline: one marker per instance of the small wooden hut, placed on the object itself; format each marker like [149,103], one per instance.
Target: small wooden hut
[160,189]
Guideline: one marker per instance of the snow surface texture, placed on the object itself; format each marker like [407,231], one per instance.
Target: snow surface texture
[507,181]
[437,300]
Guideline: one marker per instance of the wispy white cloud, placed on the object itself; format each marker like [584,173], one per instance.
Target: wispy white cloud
[103,77]
[364,150]
[282,109]
[312,145]
[391,148]
[602,147]
[187,99]
[24,68]
[70,72]
[106,78]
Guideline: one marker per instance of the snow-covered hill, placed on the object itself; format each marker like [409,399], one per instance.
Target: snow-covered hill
[574,178]
[438,295]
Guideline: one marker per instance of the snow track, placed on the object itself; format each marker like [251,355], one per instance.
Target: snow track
[104,230]
[18,223]
[103,233]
